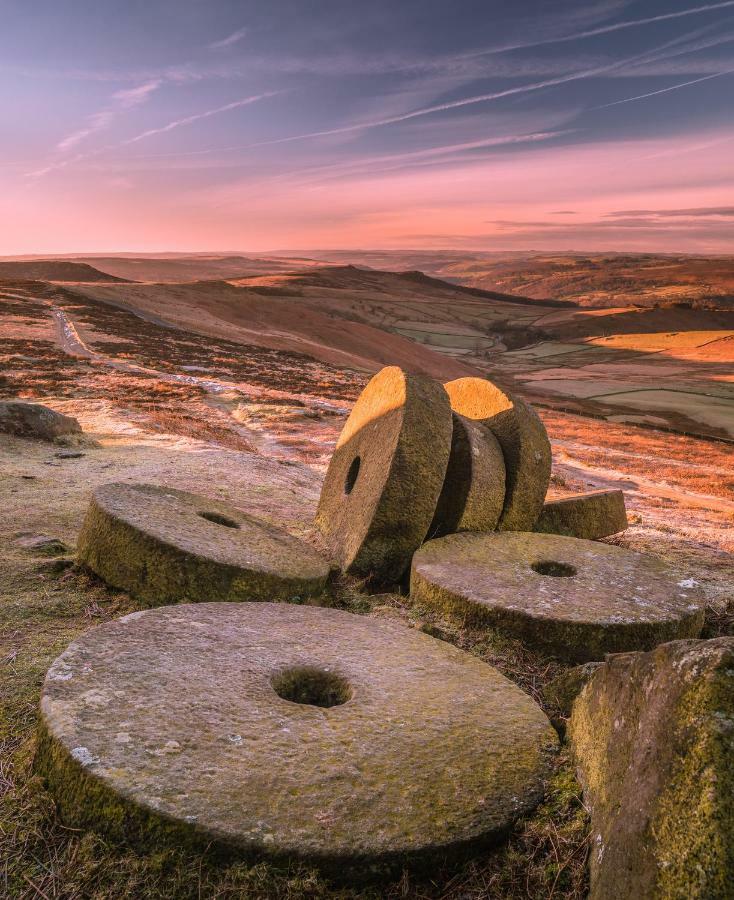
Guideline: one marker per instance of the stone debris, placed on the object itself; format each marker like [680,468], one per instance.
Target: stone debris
[573,599]
[593,515]
[32,420]
[42,544]
[385,477]
[290,732]
[168,546]
[473,492]
[653,735]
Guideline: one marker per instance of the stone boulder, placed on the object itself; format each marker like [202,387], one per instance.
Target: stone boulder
[653,735]
[33,420]
[593,515]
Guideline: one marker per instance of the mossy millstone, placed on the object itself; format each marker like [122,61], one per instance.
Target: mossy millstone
[473,492]
[574,599]
[653,735]
[386,474]
[593,515]
[524,443]
[288,731]
[169,546]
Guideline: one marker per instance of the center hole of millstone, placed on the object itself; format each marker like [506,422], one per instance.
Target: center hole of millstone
[556,569]
[219,519]
[312,687]
[352,475]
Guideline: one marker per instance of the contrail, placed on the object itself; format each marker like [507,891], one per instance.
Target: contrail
[673,87]
[603,29]
[246,101]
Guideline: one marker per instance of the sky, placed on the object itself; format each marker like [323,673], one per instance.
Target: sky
[212,125]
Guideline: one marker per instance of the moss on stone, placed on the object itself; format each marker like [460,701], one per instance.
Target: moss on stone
[593,515]
[473,491]
[524,442]
[612,599]
[653,735]
[164,727]
[169,546]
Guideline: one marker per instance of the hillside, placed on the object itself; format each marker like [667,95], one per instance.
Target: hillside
[54,270]
[608,279]
[341,317]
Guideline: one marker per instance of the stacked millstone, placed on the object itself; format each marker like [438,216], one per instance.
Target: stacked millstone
[450,482]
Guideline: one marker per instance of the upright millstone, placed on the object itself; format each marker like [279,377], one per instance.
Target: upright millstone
[169,546]
[473,492]
[524,444]
[575,599]
[286,731]
[386,474]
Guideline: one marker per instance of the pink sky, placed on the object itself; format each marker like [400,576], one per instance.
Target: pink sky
[675,194]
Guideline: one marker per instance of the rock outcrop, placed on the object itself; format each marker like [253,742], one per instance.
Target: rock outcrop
[33,420]
[653,734]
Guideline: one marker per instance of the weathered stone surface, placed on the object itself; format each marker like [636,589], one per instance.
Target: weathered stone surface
[524,443]
[169,546]
[386,474]
[560,693]
[43,544]
[653,734]
[33,420]
[594,515]
[473,492]
[288,731]
[577,600]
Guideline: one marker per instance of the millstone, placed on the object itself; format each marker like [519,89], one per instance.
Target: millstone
[575,599]
[287,731]
[473,491]
[386,474]
[524,443]
[169,546]
[593,515]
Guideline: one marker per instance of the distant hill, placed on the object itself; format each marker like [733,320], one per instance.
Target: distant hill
[344,316]
[53,270]
[196,267]
[598,279]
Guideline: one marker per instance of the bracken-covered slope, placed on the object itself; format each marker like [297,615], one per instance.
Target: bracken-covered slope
[341,315]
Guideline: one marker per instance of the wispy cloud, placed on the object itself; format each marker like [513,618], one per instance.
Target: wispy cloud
[120,101]
[187,120]
[228,41]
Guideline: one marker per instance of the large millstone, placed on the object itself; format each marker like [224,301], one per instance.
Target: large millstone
[575,599]
[473,492]
[524,443]
[386,474]
[169,546]
[288,731]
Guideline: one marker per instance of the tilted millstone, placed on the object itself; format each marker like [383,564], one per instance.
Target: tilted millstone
[653,736]
[168,546]
[593,515]
[524,443]
[288,731]
[574,599]
[386,474]
[473,492]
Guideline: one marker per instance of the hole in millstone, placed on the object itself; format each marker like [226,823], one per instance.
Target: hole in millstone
[219,519]
[556,569]
[312,687]
[352,475]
